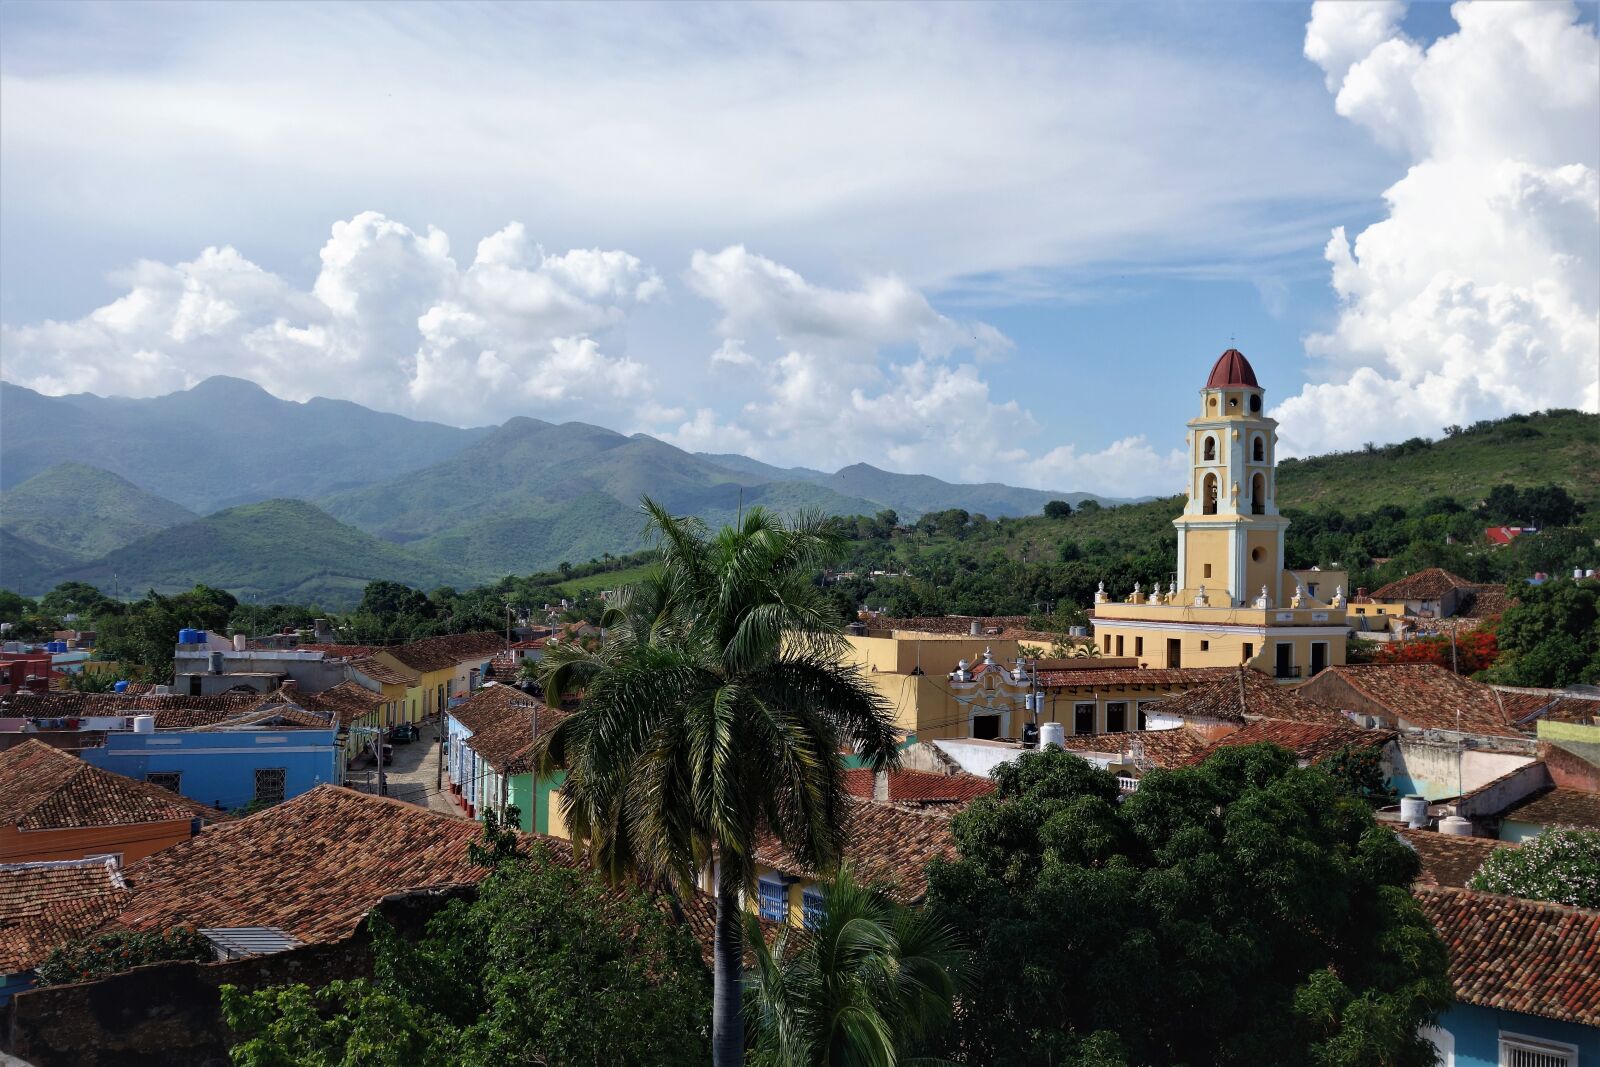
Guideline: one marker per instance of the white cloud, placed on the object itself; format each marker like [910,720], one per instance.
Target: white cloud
[1129,467]
[1479,293]
[391,321]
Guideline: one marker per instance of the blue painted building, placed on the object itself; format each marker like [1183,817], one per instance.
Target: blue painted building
[1527,981]
[226,768]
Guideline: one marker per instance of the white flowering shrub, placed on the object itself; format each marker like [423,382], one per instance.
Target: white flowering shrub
[1561,865]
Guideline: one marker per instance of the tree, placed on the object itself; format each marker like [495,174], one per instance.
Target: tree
[74,598]
[1550,637]
[394,598]
[546,966]
[1561,865]
[92,682]
[867,983]
[1360,771]
[144,636]
[716,709]
[103,955]
[1057,509]
[1243,911]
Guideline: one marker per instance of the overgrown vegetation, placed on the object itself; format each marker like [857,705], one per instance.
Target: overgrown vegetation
[1561,865]
[104,955]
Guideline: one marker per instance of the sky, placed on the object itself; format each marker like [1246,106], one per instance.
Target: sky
[982,242]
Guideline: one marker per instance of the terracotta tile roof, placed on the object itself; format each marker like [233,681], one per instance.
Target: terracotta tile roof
[173,707]
[1558,806]
[345,702]
[1485,602]
[338,651]
[920,788]
[1240,693]
[884,844]
[1425,696]
[1108,677]
[1556,705]
[1430,584]
[312,866]
[1519,955]
[442,653]
[490,703]
[1165,749]
[43,905]
[1447,859]
[380,671]
[43,788]
[1310,741]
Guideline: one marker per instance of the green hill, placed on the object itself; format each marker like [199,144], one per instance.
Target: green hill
[1551,448]
[26,567]
[277,550]
[83,512]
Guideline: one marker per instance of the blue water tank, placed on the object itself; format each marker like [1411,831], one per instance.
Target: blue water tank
[199,637]
[120,687]
[183,636]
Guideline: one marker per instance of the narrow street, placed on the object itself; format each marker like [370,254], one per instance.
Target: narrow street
[412,776]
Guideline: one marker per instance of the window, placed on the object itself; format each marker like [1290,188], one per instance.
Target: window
[270,784]
[1256,554]
[1211,450]
[1174,652]
[811,905]
[1083,718]
[171,781]
[1363,611]
[1519,1051]
[1108,644]
[1205,646]
[986,727]
[1119,644]
[1207,571]
[1249,651]
[774,901]
[1209,495]
[1116,717]
[1258,451]
[1138,646]
[1285,660]
[1258,495]
[194,685]
[1255,402]
[1319,657]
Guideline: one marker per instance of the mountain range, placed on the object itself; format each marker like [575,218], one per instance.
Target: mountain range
[227,484]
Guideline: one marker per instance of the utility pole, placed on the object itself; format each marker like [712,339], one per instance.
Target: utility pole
[377,750]
[439,737]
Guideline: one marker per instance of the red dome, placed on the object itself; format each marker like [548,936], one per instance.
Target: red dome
[1232,369]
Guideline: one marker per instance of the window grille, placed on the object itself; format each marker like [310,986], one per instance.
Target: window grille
[811,900]
[168,780]
[1527,1052]
[774,901]
[270,785]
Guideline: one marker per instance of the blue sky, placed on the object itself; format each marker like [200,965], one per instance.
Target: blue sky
[999,242]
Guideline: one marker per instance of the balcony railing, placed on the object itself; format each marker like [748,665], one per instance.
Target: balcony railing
[1127,785]
[1288,672]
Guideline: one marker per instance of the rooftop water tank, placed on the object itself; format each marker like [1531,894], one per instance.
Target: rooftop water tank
[1456,826]
[120,687]
[199,637]
[238,642]
[1052,733]
[144,724]
[216,663]
[1414,811]
[185,636]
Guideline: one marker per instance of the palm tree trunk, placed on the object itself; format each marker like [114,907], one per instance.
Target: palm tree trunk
[727,1018]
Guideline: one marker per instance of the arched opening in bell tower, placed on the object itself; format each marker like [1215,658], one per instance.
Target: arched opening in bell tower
[1209,495]
[1258,495]
[1210,455]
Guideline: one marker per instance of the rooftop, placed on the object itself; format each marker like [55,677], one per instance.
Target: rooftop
[884,844]
[1231,368]
[1448,859]
[345,702]
[920,788]
[1558,806]
[1430,584]
[44,788]
[1309,741]
[492,702]
[312,866]
[1519,955]
[47,904]
[1165,749]
[381,672]
[1237,694]
[1424,695]
[1121,677]
[170,709]
[443,653]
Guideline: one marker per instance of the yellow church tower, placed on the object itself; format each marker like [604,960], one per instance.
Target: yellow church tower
[1232,601]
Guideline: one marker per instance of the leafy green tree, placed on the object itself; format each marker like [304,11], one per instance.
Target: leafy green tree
[13,607]
[547,966]
[393,598]
[144,635]
[868,982]
[1550,636]
[1561,865]
[716,710]
[1057,509]
[103,955]
[74,598]
[1360,771]
[95,682]
[1243,911]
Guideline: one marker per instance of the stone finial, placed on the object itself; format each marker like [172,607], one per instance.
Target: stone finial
[1263,601]
[1133,598]
[1155,595]
[1100,594]
[1200,600]
[1338,597]
[1299,595]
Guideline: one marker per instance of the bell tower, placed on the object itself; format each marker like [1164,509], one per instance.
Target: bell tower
[1230,535]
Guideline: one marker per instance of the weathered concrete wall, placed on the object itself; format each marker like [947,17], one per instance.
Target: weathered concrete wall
[170,1014]
[1573,752]
[1431,768]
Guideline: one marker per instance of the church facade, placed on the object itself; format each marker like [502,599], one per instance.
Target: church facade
[1231,600]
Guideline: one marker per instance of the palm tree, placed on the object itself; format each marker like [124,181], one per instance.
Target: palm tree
[714,711]
[869,980]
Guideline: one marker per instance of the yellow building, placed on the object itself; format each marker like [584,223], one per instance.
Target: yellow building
[1233,602]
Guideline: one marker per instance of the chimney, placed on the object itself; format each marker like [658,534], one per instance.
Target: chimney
[976,629]
[880,787]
